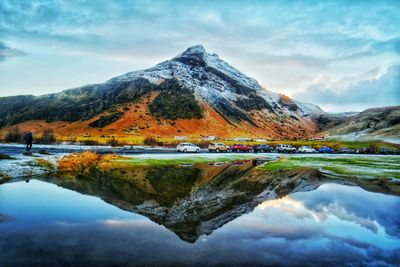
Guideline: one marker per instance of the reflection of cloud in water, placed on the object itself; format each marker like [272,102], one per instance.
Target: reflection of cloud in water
[288,205]
[128,223]
[108,242]
[321,214]
[355,205]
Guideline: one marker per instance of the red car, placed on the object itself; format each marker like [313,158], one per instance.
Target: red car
[241,148]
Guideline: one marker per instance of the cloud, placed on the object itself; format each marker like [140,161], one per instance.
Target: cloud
[8,52]
[381,91]
[276,42]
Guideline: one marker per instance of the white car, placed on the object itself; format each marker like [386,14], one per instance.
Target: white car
[187,147]
[306,149]
[283,148]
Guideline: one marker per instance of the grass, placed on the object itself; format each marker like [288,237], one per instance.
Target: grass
[4,177]
[336,144]
[45,164]
[385,167]
[139,161]
[4,156]
[371,167]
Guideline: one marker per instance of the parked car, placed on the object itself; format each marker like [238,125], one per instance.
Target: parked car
[283,148]
[218,147]
[262,148]
[387,151]
[306,149]
[241,148]
[187,147]
[325,149]
[346,150]
[364,150]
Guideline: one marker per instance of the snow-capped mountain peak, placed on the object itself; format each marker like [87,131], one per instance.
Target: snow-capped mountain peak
[196,49]
[198,70]
[217,82]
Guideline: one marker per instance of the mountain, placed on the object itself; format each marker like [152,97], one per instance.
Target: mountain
[375,123]
[194,94]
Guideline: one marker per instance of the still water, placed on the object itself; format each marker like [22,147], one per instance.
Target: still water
[53,222]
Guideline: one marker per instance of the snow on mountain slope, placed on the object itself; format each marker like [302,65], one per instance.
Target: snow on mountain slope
[212,79]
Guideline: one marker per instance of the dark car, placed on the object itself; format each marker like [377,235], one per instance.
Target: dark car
[346,150]
[387,151]
[241,148]
[325,149]
[262,148]
[364,150]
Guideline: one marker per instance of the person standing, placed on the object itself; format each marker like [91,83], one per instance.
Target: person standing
[28,140]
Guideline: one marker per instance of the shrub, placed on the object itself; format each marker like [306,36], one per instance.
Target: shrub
[77,163]
[202,143]
[89,142]
[171,143]
[112,142]
[84,164]
[150,141]
[47,136]
[45,164]
[4,156]
[14,135]
[71,139]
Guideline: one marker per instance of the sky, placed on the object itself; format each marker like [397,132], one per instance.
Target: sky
[340,55]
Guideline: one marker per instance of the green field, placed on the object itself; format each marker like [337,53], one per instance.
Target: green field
[360,166]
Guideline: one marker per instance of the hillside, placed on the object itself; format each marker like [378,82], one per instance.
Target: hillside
[194,94]
[374,123]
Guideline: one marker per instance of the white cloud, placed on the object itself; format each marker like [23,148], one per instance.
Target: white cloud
[284,45]
[362,91]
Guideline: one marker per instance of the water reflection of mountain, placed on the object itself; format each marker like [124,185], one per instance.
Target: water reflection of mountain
[198,199]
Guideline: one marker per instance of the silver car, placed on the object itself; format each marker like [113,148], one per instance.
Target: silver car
[283,148]
[306,149]
[187,147]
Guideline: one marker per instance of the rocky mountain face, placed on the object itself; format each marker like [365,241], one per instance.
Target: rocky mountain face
[372,123]
[181,96]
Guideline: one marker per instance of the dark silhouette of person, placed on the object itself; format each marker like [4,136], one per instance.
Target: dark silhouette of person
[28,140]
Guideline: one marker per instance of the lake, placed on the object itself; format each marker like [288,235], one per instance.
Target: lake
[198,215]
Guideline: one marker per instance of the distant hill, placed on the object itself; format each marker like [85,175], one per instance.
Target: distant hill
[379,123]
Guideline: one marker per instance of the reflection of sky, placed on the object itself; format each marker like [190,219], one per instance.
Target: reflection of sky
[38,202]
[332,211]
[333,224]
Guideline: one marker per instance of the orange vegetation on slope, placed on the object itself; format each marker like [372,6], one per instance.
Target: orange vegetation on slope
[137,121]
[83,162]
